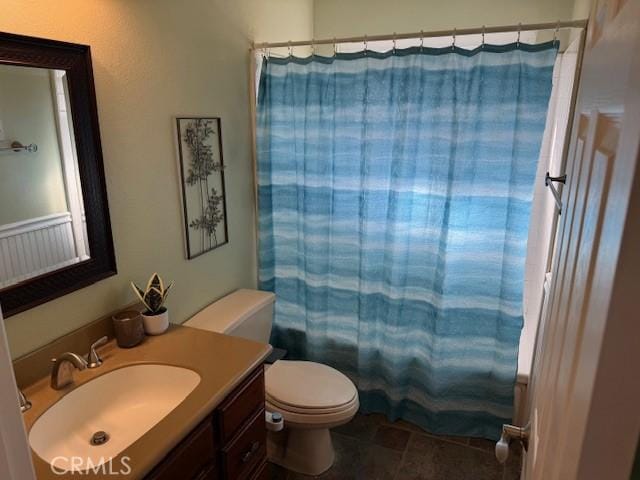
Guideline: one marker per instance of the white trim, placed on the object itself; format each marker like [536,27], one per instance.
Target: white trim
[36,246]
[69,157]
[33,224]
[15,454]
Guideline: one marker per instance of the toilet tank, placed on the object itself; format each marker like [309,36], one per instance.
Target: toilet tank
[243,313]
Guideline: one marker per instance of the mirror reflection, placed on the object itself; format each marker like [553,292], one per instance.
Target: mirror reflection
[42,218]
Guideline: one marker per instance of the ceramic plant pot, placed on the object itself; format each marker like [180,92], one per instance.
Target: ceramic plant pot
[157,323]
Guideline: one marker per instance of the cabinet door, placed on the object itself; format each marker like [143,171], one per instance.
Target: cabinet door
[190,457]
[240,405]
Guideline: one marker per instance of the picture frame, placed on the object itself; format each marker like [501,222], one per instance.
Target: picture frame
[201,165]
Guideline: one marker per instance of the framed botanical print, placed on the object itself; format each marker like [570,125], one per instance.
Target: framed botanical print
[202,181]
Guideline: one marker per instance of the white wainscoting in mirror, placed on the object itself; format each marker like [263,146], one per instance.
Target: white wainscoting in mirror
[37,246]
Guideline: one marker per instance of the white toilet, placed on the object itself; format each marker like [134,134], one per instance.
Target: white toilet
[311,397]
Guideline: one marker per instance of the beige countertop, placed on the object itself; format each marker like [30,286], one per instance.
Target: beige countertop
[221,361]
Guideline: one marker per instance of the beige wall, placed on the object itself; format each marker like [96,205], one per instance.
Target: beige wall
[282,20]
[582,8]
[154,59]
[27,116]
[336,18]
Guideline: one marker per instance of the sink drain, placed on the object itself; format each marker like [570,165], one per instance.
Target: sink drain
[99,438]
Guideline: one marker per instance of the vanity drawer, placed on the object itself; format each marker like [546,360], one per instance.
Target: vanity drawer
[240,405]
[247,450]
[190,457]
[210,473]
[262,472]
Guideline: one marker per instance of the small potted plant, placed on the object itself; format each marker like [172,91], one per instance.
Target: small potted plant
[156,316]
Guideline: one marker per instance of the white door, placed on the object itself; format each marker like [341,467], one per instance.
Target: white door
[15,454]
[585,389]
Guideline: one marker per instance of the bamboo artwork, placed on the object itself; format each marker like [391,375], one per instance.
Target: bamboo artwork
[202,178]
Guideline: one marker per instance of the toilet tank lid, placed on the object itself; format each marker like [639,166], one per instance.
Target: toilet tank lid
[224,314]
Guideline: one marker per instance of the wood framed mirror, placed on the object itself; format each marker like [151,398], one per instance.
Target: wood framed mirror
[55,232]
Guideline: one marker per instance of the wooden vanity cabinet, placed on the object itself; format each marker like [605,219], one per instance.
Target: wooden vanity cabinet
[230,444]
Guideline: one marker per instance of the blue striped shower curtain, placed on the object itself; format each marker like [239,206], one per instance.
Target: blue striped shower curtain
[394,199]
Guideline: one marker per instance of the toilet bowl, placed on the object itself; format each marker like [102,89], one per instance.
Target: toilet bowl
[311,397]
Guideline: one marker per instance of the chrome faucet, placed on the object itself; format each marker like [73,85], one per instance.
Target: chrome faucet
[25,404]
[63,367]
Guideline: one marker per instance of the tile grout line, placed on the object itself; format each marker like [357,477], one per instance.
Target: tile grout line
[437,437]
[466,445]
[415,433]
[404,454]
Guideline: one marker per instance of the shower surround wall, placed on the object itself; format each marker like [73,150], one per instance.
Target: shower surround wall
[543,219]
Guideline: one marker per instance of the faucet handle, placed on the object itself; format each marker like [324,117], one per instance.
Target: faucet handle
[25,404]
[93,359]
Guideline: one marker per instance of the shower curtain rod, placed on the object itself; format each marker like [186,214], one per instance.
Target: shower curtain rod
[436,33]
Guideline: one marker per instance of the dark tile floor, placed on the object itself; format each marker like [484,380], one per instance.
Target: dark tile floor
[371,448]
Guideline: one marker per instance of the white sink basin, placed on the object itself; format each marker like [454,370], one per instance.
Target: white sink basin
[125,403]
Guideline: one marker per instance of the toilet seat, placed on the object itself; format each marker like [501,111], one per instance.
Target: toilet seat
[310,411]
[307,419]
[310,393]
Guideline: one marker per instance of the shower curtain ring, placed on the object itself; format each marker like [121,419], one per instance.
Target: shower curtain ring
[335,48]
[365,45]
[313,48]
[555,33]
[421,40]
[453,45]
[290,49]
[483,28]
[394,42]
[519,30]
